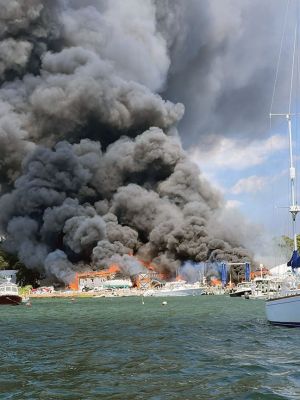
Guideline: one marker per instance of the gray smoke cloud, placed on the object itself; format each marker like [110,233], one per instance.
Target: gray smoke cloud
[223,59]
[92,169]
[128,265]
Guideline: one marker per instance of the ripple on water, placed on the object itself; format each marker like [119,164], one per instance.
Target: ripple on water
[207,347]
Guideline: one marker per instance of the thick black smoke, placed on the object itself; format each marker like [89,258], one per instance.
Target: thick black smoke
[92,169]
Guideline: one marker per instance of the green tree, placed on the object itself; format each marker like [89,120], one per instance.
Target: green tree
[4,264]
[24,275]
[285,245]
[27,276]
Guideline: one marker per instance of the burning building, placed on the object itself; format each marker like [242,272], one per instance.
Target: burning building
[113,278]
[86,281]
[92,167]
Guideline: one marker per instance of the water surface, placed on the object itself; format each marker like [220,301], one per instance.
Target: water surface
[206,347]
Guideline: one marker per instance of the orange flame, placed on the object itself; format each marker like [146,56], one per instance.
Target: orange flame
[258,273]
[215,282]
[113,268]
[74,285]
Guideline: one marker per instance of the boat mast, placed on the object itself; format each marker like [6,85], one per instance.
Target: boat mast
[294,209]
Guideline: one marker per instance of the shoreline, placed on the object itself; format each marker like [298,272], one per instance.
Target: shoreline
[103,293]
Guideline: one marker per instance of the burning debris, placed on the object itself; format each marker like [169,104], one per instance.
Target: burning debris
[92,168]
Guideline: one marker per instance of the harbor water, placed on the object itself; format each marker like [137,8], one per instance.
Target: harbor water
[205,347]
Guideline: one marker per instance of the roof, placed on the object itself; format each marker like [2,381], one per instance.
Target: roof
[5,272]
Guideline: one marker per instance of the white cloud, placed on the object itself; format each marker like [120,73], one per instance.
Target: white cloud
[233,204]
[236,154]
[252,184]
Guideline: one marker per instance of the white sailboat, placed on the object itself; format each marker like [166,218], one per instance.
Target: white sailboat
[284,308]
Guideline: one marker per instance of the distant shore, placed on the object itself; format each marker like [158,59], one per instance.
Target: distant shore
[102,293]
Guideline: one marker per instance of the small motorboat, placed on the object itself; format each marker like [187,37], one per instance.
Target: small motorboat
[177,288]
[9,294]
[242,289]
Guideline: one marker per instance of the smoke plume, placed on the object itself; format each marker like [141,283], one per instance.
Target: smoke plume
[92,169]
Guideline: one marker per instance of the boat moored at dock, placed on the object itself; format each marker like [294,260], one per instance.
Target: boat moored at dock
[284,307]
[177,288]
[9,294]
[284,310]
[242,289]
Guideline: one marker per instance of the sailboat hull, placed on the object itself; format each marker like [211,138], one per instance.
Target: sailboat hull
[284,311]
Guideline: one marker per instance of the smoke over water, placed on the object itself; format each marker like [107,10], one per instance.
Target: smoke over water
[92,169]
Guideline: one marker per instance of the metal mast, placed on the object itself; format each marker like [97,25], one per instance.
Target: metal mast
[294,208]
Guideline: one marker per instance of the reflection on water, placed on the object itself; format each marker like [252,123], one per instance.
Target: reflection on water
[207,347]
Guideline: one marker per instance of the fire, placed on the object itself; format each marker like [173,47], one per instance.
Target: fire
[153,268]
[74,285]
[113,269]
[215,282]
[148,265]
[259,273]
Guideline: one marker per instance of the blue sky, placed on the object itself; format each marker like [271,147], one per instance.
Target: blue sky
[226,127]
[253,177]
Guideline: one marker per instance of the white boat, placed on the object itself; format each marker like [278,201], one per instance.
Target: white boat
[177,288]
[265,287]
[242,289]
[284,307]
[9,294]
[284,310]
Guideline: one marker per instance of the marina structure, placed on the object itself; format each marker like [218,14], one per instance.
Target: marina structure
[111,282]
[99,280]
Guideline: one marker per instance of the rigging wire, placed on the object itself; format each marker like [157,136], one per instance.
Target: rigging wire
[279,58]
[283,33]
[296,103]
[296,96]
